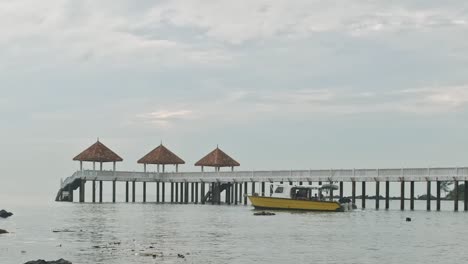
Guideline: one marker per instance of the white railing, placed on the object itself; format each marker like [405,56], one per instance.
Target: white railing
[347,175]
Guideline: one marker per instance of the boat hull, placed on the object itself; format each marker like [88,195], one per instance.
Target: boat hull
[260,202]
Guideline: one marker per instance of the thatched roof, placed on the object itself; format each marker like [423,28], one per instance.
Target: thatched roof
[217,158]
[98,152]
[161,155]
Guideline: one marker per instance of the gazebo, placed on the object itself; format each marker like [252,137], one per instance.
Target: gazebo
[161,156]
[217,159]
[98,152]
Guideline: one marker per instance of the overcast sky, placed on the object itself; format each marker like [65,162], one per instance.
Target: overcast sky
[278,84]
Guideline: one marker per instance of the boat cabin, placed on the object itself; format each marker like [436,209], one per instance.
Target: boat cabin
[298,192]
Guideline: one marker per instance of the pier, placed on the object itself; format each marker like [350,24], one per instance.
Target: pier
[209,187]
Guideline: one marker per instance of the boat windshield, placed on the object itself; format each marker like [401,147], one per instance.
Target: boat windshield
[279,189]
[300,193]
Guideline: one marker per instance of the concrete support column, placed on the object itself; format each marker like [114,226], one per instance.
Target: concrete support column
[172,192]
[192,193]
[113,190]
[126,191]
[163,193]
[182,188]
[341,189]
[219,191]
[412,195]
[240,192]
[455,198]
[428,200]
[94,191]
[202,193]
[176,194]
[377,195]
[253,188]
[144,192]
[157,192]
[402,195]
[363,200]
[465,196]
[82,191]
[236,189]
[196,193]
[186,192]
[387,195]
[263,188]
[438,183]
[100,191]
[245,193]
[70,193]
[353,192]
[133,191]
[227,199]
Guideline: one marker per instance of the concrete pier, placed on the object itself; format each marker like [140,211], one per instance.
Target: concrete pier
[412,195]
[377,195]
[402,195]
[387,195]
[428,198]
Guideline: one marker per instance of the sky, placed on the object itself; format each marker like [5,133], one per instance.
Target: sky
[277,84]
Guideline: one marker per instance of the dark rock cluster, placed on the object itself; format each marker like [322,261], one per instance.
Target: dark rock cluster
[3,231]
[40,261]
[5,214]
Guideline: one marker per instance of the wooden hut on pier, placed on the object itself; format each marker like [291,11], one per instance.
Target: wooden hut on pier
[217,159]
[98,152]
[161,156]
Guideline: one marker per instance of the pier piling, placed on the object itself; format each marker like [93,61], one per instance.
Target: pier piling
[133,191]
[176,194]
[196,193]
[428,198]
[377,195]
[455,198]
[263,188]
[402,195]
[363,200]
[144,192]
[412,195]
[253,188]
[341,189]
[163,194]
[387,194]
[126,191]
[113,190]
[82,191]
[245,193]
[353,192]
[187,192]
[172,192]
[465,196]
[227,199]
[202,193]
[94,191]
[192,193]
[157,192]
[236,189]
[438,183]
[100,191]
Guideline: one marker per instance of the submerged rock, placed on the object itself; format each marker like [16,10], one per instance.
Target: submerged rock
[5,214]
[3,231]
[40,261]
[264,213]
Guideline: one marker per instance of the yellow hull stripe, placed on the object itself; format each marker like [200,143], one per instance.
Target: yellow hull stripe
[283,203]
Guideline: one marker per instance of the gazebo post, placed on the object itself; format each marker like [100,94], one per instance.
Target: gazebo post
[158,168]
[177,168]
[163,168]
[144,167]
[81,166]
[94,166]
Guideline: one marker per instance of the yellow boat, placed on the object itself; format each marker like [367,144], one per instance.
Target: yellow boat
[299,198]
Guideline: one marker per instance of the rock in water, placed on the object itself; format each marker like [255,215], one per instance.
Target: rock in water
[264,213]
[5,214]
[3,231]
[408,219]
[40,261]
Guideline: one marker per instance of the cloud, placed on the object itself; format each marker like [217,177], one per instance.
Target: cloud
[165,117]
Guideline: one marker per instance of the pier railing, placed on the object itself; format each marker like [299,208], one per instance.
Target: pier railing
[332,175]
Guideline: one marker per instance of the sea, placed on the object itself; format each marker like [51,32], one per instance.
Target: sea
[142,233]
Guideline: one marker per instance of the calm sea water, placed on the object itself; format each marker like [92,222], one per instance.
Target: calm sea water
[128,233]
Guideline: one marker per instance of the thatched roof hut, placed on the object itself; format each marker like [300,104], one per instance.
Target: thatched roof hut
[218,159]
